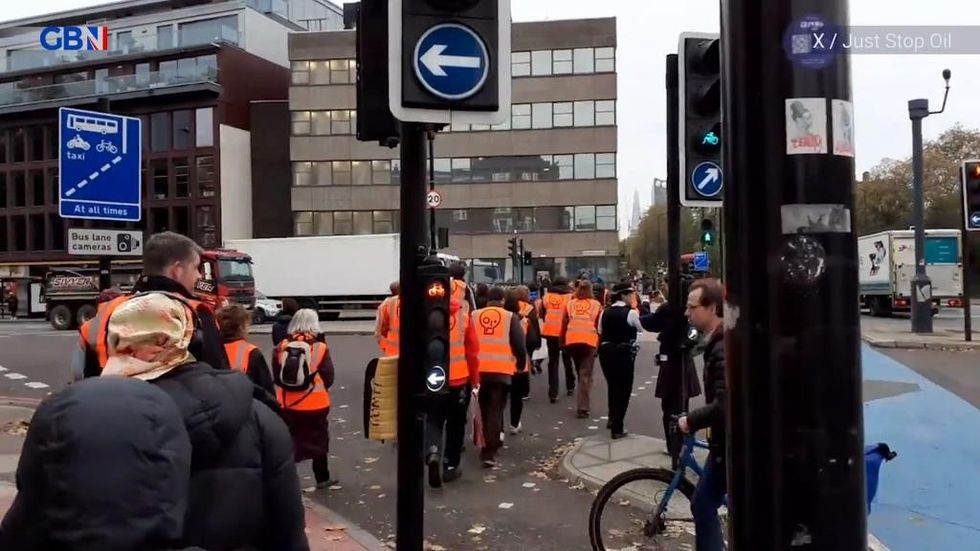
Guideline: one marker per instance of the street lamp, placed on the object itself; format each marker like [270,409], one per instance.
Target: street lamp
[921,284]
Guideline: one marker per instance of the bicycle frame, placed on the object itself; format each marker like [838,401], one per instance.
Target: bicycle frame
[686,461]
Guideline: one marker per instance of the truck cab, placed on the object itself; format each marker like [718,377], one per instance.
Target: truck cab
[226,278]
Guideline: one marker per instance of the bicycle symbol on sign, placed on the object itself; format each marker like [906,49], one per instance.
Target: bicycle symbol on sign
[106,146]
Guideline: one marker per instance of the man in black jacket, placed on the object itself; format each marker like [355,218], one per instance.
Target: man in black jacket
[704,310]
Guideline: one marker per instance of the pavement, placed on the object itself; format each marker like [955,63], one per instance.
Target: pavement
[896,332]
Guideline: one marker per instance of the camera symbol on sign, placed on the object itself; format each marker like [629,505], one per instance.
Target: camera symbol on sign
[126,243]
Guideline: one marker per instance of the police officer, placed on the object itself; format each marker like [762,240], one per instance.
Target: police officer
[618,326]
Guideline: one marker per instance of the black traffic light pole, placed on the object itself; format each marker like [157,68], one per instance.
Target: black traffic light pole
[965,246]
[105,262]
[795,428]
[673,189]
[411,499]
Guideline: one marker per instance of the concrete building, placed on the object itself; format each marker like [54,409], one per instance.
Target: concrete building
[190,69]
[547,174]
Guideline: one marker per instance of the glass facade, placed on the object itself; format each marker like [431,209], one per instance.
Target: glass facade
[540,63]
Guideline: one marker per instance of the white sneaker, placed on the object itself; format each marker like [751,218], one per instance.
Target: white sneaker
[517,429]
[502,436]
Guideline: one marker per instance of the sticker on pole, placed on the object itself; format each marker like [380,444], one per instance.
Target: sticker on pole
[842,116]
[433,199]
[451,61]
[811,42]
[806,126]
[707,179]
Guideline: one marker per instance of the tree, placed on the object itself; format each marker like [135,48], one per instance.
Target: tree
[646,248]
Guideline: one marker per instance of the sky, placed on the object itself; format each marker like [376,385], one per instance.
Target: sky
[647,30]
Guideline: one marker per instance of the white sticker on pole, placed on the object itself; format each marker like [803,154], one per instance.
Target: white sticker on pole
[433,199]
[806,126]
[842,116]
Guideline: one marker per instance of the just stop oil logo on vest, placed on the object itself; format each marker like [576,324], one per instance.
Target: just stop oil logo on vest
[489,321]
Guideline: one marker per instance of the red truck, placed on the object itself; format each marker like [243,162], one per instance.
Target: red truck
[70,295]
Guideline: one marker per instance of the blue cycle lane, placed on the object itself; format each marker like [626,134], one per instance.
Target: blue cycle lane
[929,496]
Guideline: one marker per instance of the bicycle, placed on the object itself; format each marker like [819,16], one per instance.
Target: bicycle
[665,498]
[106,145]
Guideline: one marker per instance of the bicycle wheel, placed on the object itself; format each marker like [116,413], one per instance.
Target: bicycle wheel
[626,512]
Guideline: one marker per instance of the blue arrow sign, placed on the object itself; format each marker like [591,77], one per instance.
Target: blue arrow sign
[451,61]
[707,179]
[701,262]
[975,220]
[99,166]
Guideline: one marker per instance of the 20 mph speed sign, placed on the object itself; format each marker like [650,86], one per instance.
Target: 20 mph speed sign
[433,199]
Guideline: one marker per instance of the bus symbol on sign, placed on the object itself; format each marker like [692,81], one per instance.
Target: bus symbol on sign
[92,124]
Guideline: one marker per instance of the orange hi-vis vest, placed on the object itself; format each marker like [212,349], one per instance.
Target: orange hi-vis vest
[315,398]
[94,334]
[389,341]
[554,309]
[493,332]
[459,369]
[239,351]
[459,293]
[526,309]
[582,316]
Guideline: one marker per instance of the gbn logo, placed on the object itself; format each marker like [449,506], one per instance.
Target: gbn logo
[93,37]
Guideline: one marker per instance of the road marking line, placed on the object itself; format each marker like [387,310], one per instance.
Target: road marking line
[36,385]
[15,376]
[105,167]
[116,160]
[93,175]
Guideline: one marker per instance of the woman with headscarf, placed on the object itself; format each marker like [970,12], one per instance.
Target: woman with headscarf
[244,491]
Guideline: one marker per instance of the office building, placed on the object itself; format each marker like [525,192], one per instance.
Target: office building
[546,174]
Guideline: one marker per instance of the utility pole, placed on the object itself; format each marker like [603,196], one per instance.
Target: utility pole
[795,438]
[105,262]
[921,284]
[673,191]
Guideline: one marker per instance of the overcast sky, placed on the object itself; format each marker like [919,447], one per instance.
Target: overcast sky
[648,29]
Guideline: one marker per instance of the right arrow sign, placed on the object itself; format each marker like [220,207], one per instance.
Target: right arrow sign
[707,179]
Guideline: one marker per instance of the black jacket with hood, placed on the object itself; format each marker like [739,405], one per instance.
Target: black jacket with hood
[244,491]
[105,467]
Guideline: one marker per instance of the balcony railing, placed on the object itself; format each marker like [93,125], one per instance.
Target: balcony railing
[10,96]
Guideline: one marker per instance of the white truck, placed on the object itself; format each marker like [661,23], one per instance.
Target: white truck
[886,264]
[342,277]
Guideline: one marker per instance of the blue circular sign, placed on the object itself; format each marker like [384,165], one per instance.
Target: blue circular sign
[707,179]
[435,379]
[451,61]
[975,220]
[812,43]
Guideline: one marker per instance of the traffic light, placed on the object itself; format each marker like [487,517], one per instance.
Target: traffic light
[512,247]
[699,116]
[528,258]
[450,59]
[707,232]
[971,195]
[435,285]
[374,119]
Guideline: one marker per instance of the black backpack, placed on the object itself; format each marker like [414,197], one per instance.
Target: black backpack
[293,372]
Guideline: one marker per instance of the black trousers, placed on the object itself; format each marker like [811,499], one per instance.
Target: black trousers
[321,469]
[447,419]
[618,364]
[673,405]
[493,400]
[554,351]
[520,387]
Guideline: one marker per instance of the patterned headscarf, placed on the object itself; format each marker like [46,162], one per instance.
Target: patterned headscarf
[148,336]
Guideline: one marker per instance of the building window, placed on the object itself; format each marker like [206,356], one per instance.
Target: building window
[52,177]
[605,218]
[125,42]
[320,71]
[562,62]
[301,123]
[384,221]
[165,37]
[207,234]
[563,114]
[57,232]
[206,176]
[209,30]
[585,218]
[322,172]
[343,223]
[340,123]
[541,115]
[182,129]
[3,234]
[541,63]
[36,178]
[584,166]
[161,178]
[3,147]
[605,60]
[35,138]
[19,148]
[443,170]
[363,222]
[160,131]
[585,113]
[20,189]
[302,223]
[584,60]
[381,173]
[605,165]
[3,197]
[341,174]
[20,233]
[521,116]
[182,178]
[300,72]
[340,71]
[168,70]
[520,64]
[204,127]
[320,123]
[361,173]
[566,166]
[303,174]
[605,112]
[182,220]
[51,138]
[461,170]
[323,223]
[502,126]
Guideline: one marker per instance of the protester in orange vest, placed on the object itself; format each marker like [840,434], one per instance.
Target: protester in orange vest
[502,354]
[448,413]
[462,291]
[303,373]
[580,337]
[552,311]
[171,264]
[388,322]
[518,302]
[234,321]
[535,291]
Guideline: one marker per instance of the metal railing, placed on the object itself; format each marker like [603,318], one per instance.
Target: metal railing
[10,96]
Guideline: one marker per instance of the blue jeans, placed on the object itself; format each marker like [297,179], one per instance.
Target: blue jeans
[708,497]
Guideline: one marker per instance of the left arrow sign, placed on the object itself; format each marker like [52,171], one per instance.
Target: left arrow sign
[434,60]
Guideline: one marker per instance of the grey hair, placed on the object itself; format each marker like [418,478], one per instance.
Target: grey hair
[304,321]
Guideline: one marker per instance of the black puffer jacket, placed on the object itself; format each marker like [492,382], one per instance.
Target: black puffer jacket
[244,492]
[280,328]
[712,414]
[105,467]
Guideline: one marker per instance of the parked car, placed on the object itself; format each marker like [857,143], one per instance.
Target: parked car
[265,308]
